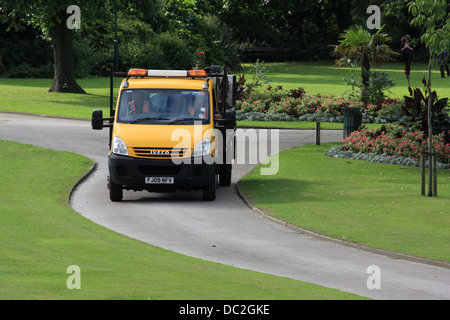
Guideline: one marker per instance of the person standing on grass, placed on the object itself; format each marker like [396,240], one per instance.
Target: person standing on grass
[407,51]
[443,62]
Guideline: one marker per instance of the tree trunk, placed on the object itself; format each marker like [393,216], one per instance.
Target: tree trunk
[64,77]
[430,133]
[365,78]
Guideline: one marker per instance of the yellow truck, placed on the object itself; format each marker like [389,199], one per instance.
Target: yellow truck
[170,130]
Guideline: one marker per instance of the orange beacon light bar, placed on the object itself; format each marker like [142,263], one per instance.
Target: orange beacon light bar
[167,73]
[137,73]
[197,73]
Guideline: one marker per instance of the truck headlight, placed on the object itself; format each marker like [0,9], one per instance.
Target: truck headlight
[202,148]
[119,147]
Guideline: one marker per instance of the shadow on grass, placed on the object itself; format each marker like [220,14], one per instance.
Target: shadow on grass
[288,190]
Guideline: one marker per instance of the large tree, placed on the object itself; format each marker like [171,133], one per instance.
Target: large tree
[61,38]
[50,17]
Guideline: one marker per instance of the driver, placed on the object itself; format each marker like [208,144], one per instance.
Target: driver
[138,103]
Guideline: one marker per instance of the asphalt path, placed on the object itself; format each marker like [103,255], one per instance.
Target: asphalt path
[228,231]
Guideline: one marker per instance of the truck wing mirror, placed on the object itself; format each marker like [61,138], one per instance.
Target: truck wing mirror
[97,120]
[230,114]
[230,117]
[228,121]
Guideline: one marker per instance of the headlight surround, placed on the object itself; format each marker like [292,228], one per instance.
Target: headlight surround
[119,147]
[202,149]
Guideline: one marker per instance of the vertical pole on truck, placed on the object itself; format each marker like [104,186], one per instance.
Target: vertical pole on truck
[111,109]
[225,88]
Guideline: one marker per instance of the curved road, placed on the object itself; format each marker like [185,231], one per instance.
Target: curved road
[226,231]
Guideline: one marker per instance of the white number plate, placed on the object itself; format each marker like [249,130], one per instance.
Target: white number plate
[159,180]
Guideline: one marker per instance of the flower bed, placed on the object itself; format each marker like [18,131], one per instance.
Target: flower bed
[388,142]
[298,105]
[397,141]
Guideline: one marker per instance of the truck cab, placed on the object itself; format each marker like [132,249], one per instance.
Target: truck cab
[170,130]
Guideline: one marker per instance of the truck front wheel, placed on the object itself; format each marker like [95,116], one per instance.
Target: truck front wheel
[115,191]
[225,176]
[209,192]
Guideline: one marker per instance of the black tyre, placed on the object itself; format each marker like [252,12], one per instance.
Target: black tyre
[115,191]
[225,176]
[209,192]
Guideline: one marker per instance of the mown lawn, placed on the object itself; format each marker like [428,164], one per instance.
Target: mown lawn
[377,205]
[41,236]
[32,96]
[323,77]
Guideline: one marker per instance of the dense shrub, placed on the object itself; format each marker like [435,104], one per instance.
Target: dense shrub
[389,107]
[25,70]
[25,54]
[416,111]
[380,82]
[217,42]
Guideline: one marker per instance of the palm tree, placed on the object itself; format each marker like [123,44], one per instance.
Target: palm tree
[358,45]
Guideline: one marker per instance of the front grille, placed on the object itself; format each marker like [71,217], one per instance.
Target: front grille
[160,153]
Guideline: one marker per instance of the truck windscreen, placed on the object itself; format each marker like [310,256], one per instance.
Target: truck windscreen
[164,106]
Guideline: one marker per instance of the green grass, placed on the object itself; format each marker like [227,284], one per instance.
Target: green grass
[41,236]
[377,205]
[323,77]
[32,96]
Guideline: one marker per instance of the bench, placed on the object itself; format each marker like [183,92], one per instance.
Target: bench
[268,53]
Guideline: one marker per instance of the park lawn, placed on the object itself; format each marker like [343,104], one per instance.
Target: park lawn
[322,77]
[32,96]
[373,204]
[42,236]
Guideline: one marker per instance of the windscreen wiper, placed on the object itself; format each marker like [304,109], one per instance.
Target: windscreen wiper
[185,119]
[146,119]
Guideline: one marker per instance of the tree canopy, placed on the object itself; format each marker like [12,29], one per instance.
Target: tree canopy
[172,33]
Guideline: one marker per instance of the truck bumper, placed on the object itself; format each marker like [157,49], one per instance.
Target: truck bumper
[131,173]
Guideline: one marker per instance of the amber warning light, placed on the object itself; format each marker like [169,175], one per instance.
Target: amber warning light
[137,73]
[197,73]
[167,73]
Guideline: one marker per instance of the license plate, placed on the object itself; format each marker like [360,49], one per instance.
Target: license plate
[159,180]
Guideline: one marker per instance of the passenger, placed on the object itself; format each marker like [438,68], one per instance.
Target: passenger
[139,103]
[199,107]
